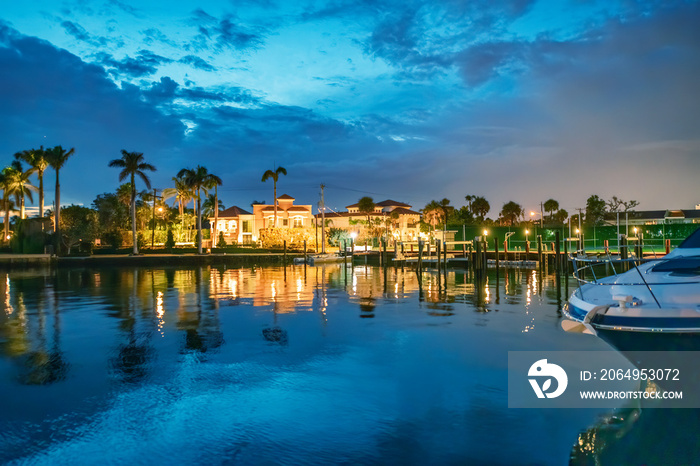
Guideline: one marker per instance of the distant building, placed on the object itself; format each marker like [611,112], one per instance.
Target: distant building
[398,217]
[654,217]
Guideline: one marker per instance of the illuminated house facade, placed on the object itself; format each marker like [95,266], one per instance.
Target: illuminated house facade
[237,225]
[244,227]
[401,221]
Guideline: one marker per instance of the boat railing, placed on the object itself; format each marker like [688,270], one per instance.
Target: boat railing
[589,269]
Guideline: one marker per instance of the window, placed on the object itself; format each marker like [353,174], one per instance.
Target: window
[298,222]
[246,226]
[285,222]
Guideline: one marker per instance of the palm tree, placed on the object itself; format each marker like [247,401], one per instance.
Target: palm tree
[446,208]
[22,187]
[275,176]
[197,179]
[511,212]
[551,206]
[432,212]
[36,159]
[480,207]
[57,158]
[469,198]
[208,209]
[213,182]
[132,164]
[181,192]
[8,184]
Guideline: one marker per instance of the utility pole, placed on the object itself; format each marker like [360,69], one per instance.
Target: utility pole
[153,218]
[541,215]
[323,221]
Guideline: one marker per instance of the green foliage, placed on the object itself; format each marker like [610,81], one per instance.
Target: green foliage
[336,235]
[113,238]
[78,224]
[511,212]
[595,211]
[140,240]
[221,242]
[170,241]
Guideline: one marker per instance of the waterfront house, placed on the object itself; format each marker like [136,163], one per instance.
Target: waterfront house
[401,221]
[236,225]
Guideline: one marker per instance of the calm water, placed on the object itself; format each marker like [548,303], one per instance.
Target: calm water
[303,365]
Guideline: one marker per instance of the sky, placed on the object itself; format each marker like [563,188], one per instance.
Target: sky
[515,100]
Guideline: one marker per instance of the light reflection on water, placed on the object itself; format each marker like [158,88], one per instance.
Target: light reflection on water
[287,365]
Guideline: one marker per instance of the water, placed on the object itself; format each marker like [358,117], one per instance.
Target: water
[296,365]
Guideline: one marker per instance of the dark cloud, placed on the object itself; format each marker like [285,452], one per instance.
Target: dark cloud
[152,35]
[81,34]
[58,99]
[224,33]
[196,62]
[145,63]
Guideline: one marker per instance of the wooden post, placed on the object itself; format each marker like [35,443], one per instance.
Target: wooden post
[539,249]
[444,255]
[667,244]
[624,253]
[420,256]
[566,257]
[527,250]
[304,251]
[495,245]
[285,252]
[437,248]
[477,256]
[557,260]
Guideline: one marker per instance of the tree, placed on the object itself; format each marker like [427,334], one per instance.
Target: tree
[551,206]
[432,212]
[595,211]
[366,206]
[181,192]
[615,204]
[57,158]
[480,207]
[78,224]
[446,208]
[215,182]
[36,158]
[511,212]
[275,176]
[7,183]
[469,198]
[22,187]
[198,179]
[133,164]
[208,209]
[560,216]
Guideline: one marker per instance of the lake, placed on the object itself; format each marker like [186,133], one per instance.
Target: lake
[297,365]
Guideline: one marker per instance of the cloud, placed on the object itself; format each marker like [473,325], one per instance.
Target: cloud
[76,105]
[224,33]
[145,63]
[81,34]
[197,62]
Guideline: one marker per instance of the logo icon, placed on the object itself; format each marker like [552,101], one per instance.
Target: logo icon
[542,368]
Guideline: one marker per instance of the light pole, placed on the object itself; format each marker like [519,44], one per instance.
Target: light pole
[153,219]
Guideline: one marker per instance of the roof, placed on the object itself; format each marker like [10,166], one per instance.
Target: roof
[233,211]
[402,211]
[285,197]
[297,208]
[695,213]
[389,203]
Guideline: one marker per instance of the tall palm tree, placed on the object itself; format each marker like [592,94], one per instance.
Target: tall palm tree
[275,176]
[215,184]
[57,158]
[132,164]
[181,192]
[8,185]
[22,187]
[199,179]
[208,209]
[36,158]
[480,207]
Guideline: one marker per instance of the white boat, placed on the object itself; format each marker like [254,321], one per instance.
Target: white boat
[653,301]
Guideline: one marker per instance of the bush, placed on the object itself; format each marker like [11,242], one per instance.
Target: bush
[170,241]
[113,238]
[221,243]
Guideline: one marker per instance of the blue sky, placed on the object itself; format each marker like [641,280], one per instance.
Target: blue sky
[411,100]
